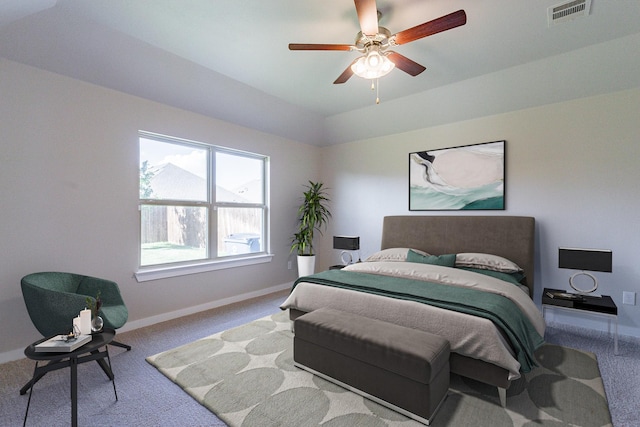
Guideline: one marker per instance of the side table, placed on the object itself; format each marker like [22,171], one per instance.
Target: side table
[58,360]
[601,306]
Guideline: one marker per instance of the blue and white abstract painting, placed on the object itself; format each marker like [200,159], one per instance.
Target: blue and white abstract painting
[469,177]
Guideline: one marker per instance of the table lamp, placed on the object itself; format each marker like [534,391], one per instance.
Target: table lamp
[347,244]
[585,260]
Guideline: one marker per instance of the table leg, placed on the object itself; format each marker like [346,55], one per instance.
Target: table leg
[615,338]
[24,423]
[112,376]
[33,381]
[105,367]
[74,392]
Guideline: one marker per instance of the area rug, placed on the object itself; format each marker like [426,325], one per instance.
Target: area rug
[246,377]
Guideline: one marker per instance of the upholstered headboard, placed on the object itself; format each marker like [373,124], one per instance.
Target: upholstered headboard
[511,237]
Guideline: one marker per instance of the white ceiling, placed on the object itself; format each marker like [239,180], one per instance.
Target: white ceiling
[192,53]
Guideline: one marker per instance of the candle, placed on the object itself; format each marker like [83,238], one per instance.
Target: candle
[77,325]
[85,322]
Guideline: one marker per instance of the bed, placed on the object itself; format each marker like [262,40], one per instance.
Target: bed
[480,349]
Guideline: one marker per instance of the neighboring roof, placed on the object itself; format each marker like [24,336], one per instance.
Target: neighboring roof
[175,183]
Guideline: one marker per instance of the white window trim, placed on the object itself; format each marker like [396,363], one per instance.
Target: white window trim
[164,272]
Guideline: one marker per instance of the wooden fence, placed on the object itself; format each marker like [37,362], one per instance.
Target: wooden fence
[188,226]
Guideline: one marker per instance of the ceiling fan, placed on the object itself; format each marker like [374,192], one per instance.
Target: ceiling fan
[375,41]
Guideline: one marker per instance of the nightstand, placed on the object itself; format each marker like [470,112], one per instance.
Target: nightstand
[559,299]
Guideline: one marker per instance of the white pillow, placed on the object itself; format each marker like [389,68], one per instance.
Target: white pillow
[487,262]
[392,254]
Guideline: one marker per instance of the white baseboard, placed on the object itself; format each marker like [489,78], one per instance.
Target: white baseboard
[10,356]
[17,354]
[141,323]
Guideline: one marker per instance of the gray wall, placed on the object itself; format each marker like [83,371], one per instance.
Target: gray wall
[68,185]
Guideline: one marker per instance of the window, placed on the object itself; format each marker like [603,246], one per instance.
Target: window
[199,203]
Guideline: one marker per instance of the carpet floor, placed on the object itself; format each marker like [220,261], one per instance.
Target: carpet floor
[147,398]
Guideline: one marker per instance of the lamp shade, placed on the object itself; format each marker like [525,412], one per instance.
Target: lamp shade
[347,243]
[585,259]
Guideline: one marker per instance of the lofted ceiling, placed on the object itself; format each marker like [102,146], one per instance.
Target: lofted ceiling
[192,53]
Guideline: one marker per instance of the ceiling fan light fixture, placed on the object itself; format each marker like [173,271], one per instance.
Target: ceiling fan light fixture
[373,65]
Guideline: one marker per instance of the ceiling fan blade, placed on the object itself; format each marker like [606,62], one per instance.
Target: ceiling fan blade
[405,64]
[346,74]
[438,25]
[368,16]
[309,46]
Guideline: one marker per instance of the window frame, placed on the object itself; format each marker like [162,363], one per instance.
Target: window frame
[211,262]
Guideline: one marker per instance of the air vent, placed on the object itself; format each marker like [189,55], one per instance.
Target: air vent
[568,11]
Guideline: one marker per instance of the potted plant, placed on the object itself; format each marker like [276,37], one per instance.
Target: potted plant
[313,215]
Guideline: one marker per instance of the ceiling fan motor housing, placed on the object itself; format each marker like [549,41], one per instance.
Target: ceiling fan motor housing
[382,39]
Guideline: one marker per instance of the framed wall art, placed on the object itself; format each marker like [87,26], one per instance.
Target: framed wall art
[470,177]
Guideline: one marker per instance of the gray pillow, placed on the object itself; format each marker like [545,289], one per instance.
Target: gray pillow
[392,254]
[487,262]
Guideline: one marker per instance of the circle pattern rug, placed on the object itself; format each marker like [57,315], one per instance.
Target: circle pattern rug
[246,377]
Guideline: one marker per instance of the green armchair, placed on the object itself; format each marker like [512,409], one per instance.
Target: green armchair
[53,299]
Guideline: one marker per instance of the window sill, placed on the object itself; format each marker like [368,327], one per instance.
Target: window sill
[155,273]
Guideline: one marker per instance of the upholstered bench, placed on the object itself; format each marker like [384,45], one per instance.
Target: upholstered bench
[399,367]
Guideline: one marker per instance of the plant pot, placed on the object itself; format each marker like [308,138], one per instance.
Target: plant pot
[306,265]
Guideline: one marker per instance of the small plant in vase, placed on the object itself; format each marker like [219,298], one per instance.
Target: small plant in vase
[94,305]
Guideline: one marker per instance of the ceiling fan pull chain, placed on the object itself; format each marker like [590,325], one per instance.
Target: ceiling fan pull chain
[377,91]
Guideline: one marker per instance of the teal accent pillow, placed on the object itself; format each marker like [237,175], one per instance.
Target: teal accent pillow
[448,260]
